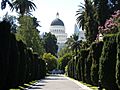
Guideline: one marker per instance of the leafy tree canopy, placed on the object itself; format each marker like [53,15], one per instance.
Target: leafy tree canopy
[50,43]
[28,33]
[51,61]
[63,61]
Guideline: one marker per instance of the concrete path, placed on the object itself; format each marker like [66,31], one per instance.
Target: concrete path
[57,82]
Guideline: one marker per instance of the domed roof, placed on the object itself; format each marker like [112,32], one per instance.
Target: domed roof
[57,21]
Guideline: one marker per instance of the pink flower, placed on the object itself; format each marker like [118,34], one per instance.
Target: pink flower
[111,25]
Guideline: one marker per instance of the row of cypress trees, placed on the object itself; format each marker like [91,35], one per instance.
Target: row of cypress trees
[101,61]
[18,64]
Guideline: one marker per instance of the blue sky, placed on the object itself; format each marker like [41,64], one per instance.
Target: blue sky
[47,9]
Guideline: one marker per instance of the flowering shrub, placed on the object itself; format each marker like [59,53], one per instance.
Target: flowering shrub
[112,24]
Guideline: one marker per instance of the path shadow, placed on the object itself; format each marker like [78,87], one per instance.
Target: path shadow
[34,88]
[39,85]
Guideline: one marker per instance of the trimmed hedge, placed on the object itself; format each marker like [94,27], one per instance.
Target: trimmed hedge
[88,65]
[63,61]
[96,53]
[118,61]
[83,61]
[70,69]
[108,63]
[18,65]
[78,69]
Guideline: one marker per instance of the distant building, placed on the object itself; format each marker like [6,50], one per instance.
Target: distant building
[80,33]
[58,29]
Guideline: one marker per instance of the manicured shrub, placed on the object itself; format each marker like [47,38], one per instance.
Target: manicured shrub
[29,65]
[108,63]
[96,50]
[42,68]
[63,61]
[22,62]
[88,64]
[78,69]
[18,65]
[118,61]
[13,62]
[83,59]
[70,69]
[6,41]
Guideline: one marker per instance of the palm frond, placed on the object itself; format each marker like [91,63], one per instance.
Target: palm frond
[4,3]
[23,6]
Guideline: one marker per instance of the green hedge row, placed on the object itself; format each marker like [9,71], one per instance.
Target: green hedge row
[108,63]
[100,62]
[18,65]
[96,51]
[63,61]
[118,61]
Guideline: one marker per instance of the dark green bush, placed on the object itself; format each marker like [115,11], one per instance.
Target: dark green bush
[70,69]
[63,61]
[22,62]
[108,63]
[29,65]
[118,61]
[42,69]
[88,64]
[96,53]
[4,53]
[83,59]
[13,62]
[78,69]
[18,65]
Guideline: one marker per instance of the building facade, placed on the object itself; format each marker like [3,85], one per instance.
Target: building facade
[58,29]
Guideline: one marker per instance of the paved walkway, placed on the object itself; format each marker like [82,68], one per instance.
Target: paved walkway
[58,82]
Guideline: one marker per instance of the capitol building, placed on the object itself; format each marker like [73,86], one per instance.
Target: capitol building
[57,28]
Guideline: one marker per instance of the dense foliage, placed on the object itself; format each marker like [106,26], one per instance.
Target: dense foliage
[96,49]
[118,61]
[84,65]
[50,43]
[51,61]
[18,65]
[28,33]
[63,61]
[111,25]
[108,63]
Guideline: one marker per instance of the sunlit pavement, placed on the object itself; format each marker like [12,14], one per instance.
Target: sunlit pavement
[57,82]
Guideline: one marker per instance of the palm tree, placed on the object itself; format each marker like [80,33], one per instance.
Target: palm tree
[4,2]
[87,19]
[81,16]
[76,44]
[23,6]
